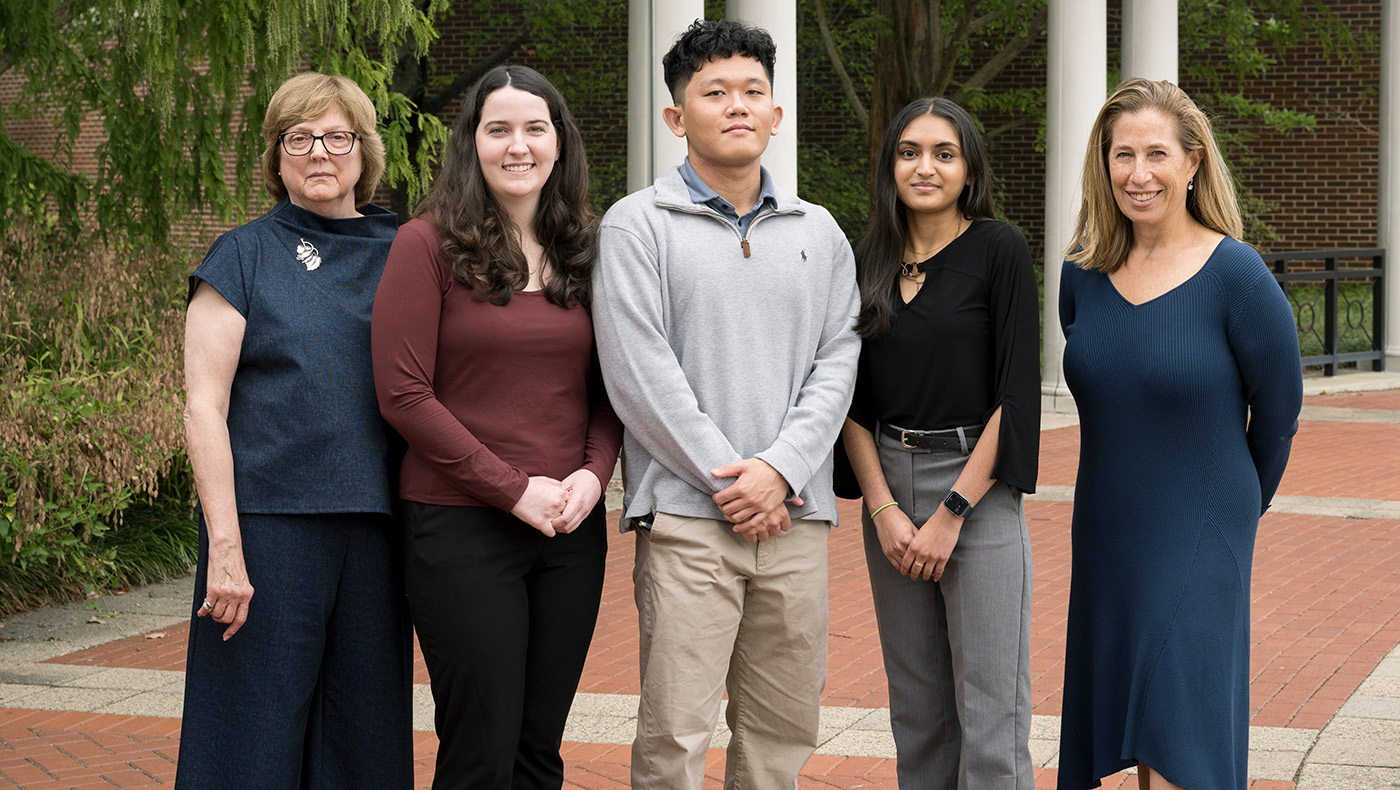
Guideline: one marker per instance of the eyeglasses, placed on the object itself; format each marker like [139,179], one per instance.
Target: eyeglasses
[301,143]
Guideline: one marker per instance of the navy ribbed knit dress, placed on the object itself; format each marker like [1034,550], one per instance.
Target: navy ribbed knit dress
[1188,404]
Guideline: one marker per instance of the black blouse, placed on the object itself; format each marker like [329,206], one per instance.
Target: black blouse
[967,342]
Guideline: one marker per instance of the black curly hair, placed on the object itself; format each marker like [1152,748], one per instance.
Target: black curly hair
[707,39]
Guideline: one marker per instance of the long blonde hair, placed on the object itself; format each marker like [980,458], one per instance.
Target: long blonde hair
[1102,235]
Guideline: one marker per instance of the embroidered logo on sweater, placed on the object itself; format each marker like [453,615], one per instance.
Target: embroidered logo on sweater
[307,254]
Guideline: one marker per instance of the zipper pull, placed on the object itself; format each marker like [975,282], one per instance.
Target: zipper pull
[745,244]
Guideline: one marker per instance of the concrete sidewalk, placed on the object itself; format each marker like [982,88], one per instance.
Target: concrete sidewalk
[91,693]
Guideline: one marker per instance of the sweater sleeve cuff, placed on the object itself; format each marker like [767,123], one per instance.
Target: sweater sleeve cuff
[790,463]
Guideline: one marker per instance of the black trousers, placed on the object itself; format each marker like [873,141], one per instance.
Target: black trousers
[504,616]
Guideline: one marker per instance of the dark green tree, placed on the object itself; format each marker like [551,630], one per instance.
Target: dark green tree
[962,48]
[177,87]
[511,31]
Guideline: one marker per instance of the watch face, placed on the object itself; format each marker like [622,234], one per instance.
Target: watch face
[956,503]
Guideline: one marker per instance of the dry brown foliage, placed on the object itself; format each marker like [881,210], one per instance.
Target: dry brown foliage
[90,358]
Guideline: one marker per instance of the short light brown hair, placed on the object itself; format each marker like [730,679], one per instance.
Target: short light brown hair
[1102,235]
[306,97]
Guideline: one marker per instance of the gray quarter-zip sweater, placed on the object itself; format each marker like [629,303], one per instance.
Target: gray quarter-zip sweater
[718,345]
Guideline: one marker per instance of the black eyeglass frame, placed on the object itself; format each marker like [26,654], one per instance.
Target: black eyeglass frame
[354,138]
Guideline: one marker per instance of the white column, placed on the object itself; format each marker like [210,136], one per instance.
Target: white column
[669,18]
[640,66]
[1388,224]
[1149,39]
[1077,73]
[779,18]
[652,27]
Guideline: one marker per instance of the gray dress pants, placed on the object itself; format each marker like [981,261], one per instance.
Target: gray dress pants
[956,651]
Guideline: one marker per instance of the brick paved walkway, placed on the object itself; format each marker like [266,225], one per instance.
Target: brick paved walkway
[1326,612]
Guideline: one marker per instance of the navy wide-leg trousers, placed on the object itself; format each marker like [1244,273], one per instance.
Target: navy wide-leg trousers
[314,692]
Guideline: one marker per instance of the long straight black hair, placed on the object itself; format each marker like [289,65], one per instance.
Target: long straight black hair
[881,250]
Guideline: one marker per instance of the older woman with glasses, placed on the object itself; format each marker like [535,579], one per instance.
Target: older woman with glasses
[305,684]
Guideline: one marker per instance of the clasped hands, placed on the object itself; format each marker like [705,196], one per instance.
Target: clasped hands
[754,502]
[919,553]
[558,506]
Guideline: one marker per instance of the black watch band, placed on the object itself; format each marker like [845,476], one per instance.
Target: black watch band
[957,504]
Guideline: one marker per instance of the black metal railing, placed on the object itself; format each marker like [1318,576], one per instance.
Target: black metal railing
[1340,297]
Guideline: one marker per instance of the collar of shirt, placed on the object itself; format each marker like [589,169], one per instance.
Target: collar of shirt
[701,193]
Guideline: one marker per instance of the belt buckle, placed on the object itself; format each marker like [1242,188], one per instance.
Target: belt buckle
[904,440]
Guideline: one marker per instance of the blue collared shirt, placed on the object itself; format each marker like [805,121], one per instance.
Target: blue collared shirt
[700,192]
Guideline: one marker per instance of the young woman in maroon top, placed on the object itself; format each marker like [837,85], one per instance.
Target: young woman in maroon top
[484,362]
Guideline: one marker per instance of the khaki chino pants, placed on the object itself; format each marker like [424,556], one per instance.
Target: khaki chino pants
[717,612]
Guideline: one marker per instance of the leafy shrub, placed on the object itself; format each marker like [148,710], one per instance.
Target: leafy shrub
[157,540]
[90,360]
[841,188]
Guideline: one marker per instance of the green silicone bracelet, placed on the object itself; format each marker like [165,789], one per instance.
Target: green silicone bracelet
[882,507]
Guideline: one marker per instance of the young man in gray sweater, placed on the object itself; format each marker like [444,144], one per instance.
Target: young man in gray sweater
[723,309]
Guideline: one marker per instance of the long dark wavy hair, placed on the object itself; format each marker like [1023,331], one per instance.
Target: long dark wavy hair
[880,250]
[478,236]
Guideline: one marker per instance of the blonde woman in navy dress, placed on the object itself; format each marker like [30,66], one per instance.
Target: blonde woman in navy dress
[943,438]
[1183,360]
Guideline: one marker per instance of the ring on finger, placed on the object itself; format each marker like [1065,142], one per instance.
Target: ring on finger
[206,606]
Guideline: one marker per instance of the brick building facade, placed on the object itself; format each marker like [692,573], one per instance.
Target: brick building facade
[1321,186]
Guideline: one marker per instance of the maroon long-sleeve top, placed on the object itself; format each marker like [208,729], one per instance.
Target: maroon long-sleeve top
[486,395]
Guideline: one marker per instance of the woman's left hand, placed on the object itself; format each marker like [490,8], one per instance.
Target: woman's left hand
[927,555]
[584,490]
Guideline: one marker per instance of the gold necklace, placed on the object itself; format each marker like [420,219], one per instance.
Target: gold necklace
[911,270]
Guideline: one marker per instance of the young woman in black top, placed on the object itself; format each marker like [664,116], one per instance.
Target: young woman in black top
[943,437]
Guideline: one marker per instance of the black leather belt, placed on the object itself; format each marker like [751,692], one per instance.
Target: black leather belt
[934,440]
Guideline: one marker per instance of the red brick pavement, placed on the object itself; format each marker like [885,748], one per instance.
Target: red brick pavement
[45,750]
[1326,610]
[166,649]
[1340,459]
[1387,399]
[1329,459]
[56,750]
[48,750]
[1059,456]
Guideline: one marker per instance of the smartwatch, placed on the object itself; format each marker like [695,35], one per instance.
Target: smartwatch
[957,504]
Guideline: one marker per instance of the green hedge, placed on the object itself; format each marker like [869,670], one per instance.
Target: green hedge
[90,368]
[1309,303]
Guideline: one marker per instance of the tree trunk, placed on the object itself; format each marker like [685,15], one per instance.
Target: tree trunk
[408,80]
[908,61]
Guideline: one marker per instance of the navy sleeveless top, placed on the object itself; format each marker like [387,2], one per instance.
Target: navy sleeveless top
[303,418]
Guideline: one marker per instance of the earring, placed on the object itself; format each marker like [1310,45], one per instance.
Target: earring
[1190,185]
